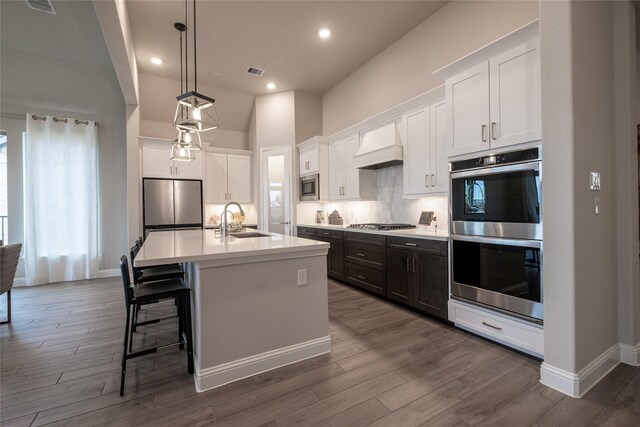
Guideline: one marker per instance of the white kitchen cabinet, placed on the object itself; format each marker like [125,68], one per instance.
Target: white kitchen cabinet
[345,181]
[313,155]
[514,81]
[426,169]
[157,163]
[227,177]
[493,95]
[468,103]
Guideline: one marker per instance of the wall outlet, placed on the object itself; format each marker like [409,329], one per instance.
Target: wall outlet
[302,277]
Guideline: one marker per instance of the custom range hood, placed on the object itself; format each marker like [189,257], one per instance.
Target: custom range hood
[380,148]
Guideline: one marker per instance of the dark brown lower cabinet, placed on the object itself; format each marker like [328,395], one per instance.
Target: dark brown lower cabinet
[431,284]
[411,271]
[335,256]
[418,279]
[400,275]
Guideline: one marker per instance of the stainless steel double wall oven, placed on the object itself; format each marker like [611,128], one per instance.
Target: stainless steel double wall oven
[496,231]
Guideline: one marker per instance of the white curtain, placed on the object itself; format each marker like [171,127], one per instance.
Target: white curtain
[61,186]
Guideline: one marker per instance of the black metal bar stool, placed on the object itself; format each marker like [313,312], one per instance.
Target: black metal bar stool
[149,275]
[175,289]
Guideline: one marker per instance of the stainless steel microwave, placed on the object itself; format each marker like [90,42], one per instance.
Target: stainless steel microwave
[310,188]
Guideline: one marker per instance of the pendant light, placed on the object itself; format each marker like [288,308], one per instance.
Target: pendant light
[184,154]
[195,112]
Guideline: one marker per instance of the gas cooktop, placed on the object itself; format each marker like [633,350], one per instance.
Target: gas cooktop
[382,227]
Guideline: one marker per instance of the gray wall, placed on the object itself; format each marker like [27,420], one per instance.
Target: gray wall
[38,84]
[577,96]
[404,69]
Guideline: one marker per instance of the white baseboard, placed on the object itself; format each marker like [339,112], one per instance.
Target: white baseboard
[108,273]
[630,354]
[19,281]
[576,385]
[216,376]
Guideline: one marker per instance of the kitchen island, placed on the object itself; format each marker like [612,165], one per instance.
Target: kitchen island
[258,303]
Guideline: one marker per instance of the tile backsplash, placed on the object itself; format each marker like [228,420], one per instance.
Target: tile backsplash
[390,205]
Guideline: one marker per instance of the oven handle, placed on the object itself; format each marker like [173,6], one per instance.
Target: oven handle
[497,169]
[498,241]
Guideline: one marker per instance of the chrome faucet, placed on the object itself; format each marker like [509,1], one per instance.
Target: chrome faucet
[224,223]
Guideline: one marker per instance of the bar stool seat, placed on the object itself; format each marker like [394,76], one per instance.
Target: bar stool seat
[162,272]
[134,296]
[162,289]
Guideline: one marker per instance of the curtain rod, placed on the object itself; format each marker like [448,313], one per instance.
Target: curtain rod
[35,117]
[57,119]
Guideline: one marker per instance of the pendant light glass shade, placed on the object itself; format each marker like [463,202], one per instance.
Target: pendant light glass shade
[188,139]
[195,112]
[182,154]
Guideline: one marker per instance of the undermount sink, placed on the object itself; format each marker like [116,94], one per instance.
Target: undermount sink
[245,235]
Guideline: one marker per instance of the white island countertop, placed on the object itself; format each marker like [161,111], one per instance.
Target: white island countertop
[168,247]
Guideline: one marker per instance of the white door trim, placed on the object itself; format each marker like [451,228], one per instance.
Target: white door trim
[263,221]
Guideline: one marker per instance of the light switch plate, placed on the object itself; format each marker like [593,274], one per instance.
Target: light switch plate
[595,181]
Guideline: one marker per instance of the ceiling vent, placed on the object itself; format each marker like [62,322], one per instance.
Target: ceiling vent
[255,71]
[42,5]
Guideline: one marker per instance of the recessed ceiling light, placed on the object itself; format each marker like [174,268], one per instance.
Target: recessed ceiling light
[324,33]
[271,85]
[157,60]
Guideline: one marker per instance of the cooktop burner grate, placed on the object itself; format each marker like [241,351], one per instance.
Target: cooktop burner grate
[382,227]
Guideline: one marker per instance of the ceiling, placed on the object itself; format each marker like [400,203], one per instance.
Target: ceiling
[280,37]
[55,36]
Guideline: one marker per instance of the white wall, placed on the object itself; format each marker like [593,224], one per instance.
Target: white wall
[577,71]
[404,69]
[308,110]
[158,107]
[44,85]
[626,169]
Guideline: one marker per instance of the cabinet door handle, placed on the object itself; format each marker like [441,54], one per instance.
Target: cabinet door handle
[484,133]
[433,180]
[229,196]
[362,255]
[497,328]
[327,234]
[171,170]
[426,180]
[410,244]
[408,264]
[413,265]
[493,131]
[362,278]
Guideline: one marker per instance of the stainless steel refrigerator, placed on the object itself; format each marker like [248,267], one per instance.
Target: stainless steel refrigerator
[171,204]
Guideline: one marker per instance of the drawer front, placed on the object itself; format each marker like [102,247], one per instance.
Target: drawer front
[335,234]
[366,255]
[370,239]
[366,278]
[434,247]
[306,232]
[511,332]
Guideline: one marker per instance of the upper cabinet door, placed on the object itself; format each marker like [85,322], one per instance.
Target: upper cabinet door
[439,176]
[351,186]
[416,152]
[515,96]
[156,162]
[336,170]
[215,180]
[188,170]
[239,177]
[304,160]
[313,158]
[467,95]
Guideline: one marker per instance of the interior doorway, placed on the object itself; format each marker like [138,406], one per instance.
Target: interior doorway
[276,190]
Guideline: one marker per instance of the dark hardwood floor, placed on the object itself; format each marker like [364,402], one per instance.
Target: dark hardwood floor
[389,367]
